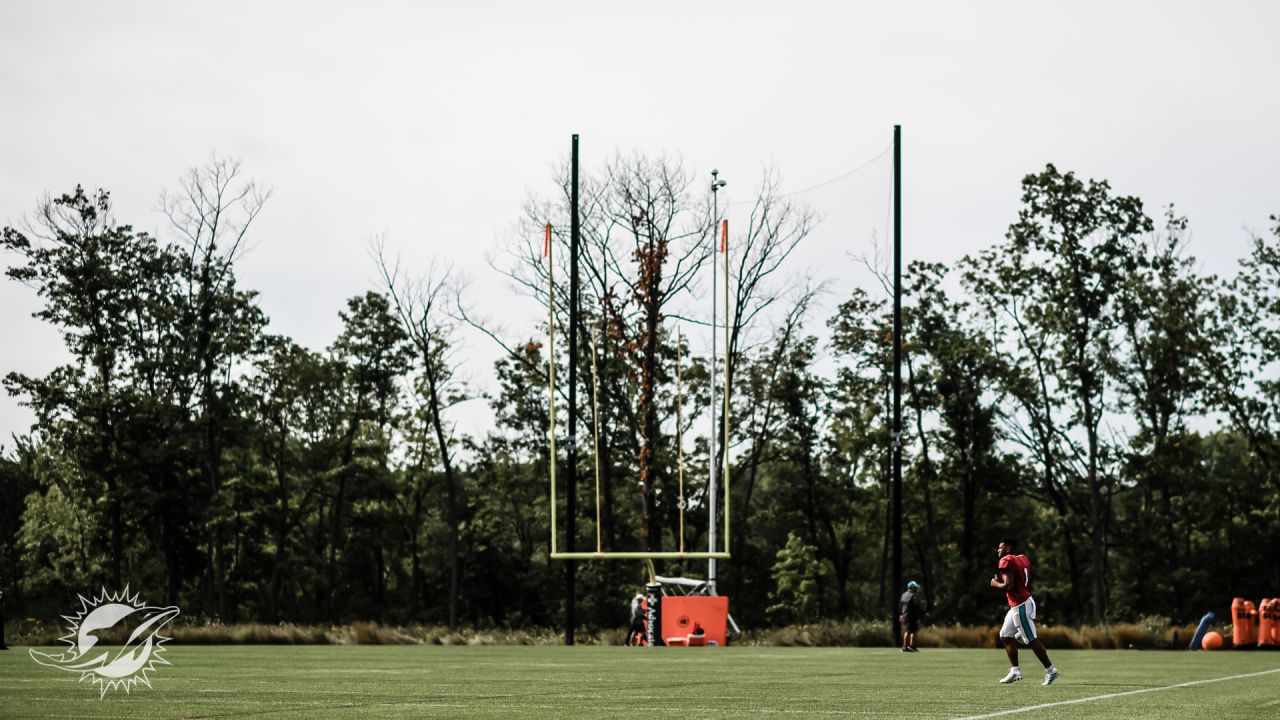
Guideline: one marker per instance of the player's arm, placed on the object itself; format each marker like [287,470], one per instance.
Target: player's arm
[1001,580]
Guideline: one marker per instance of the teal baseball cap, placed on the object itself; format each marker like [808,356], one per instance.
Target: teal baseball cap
[913,585]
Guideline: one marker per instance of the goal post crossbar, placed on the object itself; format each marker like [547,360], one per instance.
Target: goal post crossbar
[669,555]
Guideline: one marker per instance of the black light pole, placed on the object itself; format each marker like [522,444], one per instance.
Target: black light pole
[571,496]
[897,378]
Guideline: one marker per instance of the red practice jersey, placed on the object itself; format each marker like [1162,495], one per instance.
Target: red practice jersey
[1017,570]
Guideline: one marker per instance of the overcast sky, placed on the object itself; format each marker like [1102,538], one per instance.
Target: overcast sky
[432,122]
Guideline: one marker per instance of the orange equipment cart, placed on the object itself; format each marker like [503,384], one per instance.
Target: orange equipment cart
[682,613]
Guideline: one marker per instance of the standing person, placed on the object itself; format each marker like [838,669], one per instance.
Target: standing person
[635,632]
[909,615]
[1013,576]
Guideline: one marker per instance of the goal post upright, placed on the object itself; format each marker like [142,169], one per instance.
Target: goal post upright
[551,375]
[724,247]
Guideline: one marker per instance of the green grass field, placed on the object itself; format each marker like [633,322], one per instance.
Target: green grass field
[319,682]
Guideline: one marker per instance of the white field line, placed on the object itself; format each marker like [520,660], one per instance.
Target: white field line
[1108,696]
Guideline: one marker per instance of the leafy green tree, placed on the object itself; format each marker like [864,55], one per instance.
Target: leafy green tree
[762,372]
[1061,391]
[510,517]
[372,355]
[861,427]
[421,308]
[797,577]
[293,387]
[59,531]
[82,263]
[1055,278]
[1241,365]
[17,481]
[1163,311]
[1246,351]
[954,389]
[211,214]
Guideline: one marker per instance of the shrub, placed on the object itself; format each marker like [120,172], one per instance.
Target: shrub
[371,633]
[958,636]
[796,580]
[832,633]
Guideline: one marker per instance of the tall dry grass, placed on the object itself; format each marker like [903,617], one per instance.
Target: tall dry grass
[248,634]
[877,633]
[830,633]
[33,632]
[957,636]
[1119,636]
[1145,634]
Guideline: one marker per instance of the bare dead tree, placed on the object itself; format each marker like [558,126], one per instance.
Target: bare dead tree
[648,234]
[775,226]
[760,421]
[645,236]
[655,218]
[212,213]
[424,307]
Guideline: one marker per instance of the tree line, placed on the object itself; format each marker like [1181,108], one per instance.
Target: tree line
[1079,383]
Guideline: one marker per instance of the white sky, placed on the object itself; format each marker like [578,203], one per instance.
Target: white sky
[431,122]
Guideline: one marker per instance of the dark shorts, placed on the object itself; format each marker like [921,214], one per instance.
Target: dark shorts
[912,626]
[637,626]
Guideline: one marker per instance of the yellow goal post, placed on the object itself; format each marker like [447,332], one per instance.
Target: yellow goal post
[600,553]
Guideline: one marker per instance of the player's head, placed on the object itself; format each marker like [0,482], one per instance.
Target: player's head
[1007,546]
[913,585]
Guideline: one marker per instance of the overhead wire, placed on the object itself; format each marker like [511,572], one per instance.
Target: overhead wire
[825,183]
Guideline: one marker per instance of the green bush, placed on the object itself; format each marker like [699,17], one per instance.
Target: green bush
[795,576]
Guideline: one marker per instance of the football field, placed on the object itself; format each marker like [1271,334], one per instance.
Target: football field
[320,682]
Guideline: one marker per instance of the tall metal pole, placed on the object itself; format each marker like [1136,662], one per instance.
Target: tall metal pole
[897,378]
[712,486]
[571,495]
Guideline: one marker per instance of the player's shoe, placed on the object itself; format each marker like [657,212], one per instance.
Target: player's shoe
[1051,674]
[1013,677]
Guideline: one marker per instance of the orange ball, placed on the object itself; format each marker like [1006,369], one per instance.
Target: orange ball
[1211,641]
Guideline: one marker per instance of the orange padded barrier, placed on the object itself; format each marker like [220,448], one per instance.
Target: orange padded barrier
[682,613]
[1268,619]
[1241,623]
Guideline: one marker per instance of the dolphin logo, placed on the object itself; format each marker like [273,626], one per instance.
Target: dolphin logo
[111,667]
